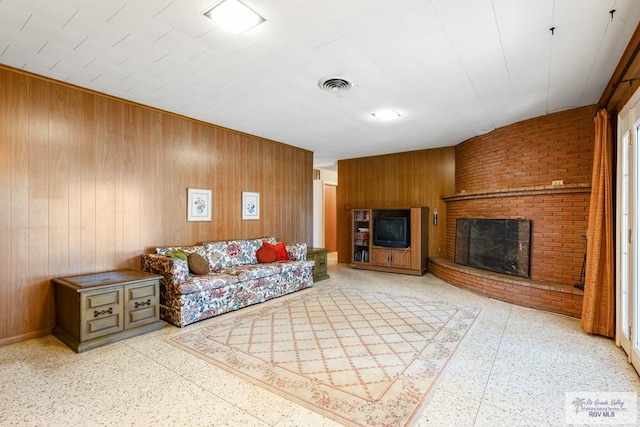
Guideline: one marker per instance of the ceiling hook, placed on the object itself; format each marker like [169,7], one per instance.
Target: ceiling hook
[552,29]
[611,12]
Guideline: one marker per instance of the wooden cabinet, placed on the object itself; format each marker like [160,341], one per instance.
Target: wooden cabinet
[319,256]
[97,309]
[394,258]
[368,253]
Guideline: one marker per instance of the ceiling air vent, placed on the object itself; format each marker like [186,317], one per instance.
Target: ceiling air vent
[334,84]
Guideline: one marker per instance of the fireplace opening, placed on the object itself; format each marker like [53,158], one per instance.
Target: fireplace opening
[500,245]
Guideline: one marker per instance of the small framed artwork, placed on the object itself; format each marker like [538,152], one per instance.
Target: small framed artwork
[250,205]
[198,204]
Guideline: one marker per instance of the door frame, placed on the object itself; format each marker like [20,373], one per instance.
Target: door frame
[628,269]
[324,228]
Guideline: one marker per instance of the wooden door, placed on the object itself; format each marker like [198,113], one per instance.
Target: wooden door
[380,257]
[401,259]
[330,218]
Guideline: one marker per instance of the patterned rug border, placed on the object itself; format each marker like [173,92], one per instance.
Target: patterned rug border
[381,412]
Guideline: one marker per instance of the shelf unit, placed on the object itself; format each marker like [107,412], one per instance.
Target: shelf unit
[361,233]
[412,260]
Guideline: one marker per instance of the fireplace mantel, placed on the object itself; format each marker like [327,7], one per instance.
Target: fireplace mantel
[514,192]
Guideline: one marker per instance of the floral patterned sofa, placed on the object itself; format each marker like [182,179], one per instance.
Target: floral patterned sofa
[235,279]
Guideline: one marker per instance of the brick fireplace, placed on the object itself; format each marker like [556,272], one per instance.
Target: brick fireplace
[537,170]
[499,245]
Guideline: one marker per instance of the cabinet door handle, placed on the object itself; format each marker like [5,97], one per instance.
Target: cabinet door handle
[142,304]
[97,313]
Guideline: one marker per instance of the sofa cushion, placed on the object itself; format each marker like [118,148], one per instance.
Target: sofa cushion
[297,251]
[233,253]
[252,271]
[216,254]
[197,264]
[294,266]
[266,254]
[211,280]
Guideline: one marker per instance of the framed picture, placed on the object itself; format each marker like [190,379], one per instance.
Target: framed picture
[250,205]
[198,204]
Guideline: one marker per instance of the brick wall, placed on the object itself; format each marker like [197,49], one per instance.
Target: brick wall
[508,174]
[531,153]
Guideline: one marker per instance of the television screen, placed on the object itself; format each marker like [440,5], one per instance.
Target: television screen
[391,232]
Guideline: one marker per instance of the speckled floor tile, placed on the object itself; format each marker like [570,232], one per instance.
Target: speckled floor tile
[512,369]
[304,417]
[542,356]
[493,416]
[468,373]
[449,409]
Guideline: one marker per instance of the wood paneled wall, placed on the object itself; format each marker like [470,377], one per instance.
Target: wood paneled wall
[417,178]
[90,182]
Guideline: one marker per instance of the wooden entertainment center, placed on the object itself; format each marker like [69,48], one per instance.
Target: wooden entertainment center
[404,251]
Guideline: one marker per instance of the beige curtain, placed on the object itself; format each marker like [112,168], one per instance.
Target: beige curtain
[598,308]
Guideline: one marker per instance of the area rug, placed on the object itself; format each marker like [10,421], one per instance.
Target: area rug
[360,358]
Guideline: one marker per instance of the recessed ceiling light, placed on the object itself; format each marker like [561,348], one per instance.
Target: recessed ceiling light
[233,16]
[386,115]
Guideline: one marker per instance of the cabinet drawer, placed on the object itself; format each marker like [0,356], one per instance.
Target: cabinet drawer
[141,304]
[321,265]
[103,325]
[141,291]
[99,300]
[143,315]
[101,313]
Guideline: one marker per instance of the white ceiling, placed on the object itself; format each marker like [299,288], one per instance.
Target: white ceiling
[453,68]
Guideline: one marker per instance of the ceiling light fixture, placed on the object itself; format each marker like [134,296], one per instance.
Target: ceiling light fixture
[233,16]
[385,115]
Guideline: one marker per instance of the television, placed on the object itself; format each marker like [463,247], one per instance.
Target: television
[391,232]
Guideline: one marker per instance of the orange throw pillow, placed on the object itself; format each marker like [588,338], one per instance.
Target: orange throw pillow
[281,250]
[266,253]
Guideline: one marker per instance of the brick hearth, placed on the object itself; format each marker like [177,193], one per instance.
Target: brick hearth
[540,294]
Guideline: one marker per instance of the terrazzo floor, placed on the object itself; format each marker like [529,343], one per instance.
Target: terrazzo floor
[513,370]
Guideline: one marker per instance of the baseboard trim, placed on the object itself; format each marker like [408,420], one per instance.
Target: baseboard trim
[24,337]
